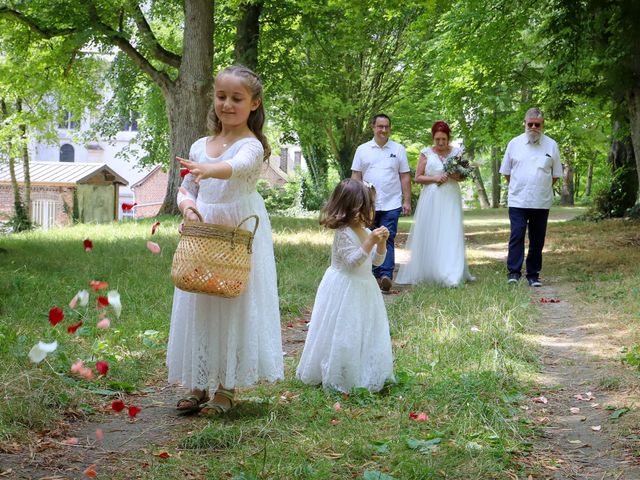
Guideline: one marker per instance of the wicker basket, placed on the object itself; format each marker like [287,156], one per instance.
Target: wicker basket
[213,259]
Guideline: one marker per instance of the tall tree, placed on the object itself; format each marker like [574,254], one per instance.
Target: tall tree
[182,72]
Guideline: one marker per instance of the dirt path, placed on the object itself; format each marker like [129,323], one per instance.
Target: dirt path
[584,387]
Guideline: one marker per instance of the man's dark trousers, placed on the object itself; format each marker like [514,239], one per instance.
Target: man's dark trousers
[535,219]
[389,219]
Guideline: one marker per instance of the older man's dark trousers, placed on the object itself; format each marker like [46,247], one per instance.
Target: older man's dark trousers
[521,219]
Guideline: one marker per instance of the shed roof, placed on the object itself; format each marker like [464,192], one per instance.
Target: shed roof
[61,173]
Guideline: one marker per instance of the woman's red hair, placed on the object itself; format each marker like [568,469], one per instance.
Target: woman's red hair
[441,126]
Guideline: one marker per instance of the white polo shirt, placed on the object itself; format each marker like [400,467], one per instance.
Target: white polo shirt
[532,167]
[382,166]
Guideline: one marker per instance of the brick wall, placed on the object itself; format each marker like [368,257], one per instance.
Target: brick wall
[59,195]
[150,194]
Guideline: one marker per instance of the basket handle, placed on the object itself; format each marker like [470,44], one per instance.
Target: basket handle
[255,227]
[195,210]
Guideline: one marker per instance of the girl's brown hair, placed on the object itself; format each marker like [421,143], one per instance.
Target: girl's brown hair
[256,118]
[351,200]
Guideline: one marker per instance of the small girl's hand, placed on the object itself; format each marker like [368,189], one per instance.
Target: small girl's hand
[380,234]
[199,170]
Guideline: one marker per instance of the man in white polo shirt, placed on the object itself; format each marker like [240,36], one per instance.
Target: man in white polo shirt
[383,163]
[531,166]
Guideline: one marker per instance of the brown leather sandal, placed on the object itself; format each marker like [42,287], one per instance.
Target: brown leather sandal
[191,404]
[214,408]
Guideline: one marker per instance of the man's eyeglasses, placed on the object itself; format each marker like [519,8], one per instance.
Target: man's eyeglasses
[534,124]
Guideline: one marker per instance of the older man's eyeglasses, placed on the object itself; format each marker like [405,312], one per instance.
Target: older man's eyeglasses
[534,124]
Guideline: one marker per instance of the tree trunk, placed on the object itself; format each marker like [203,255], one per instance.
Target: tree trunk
[495,178]
[576,185]
[477,180]
[566,195]
[587,190]
[188,98]
[633,100]
[25,165]
[248,34]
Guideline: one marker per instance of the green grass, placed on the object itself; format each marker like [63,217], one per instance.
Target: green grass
[462,356]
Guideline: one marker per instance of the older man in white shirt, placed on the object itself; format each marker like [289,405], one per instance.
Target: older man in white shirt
[531,166]
[383,163]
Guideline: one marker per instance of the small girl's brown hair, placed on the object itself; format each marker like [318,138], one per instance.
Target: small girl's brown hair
[351,200]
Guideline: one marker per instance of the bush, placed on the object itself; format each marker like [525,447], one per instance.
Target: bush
[277,198]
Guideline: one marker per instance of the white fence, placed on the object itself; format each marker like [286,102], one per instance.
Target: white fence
[44,213]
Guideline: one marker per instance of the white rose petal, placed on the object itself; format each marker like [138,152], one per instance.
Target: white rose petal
[40,350]
[83,297]
[114,300]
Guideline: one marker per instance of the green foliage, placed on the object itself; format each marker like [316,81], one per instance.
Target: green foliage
[277,198]
[20,220]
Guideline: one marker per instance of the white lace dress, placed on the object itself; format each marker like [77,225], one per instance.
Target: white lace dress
[230,341]
[348,343]
[436,239]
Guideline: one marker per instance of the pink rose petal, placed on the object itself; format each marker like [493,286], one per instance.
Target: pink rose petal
[153,247]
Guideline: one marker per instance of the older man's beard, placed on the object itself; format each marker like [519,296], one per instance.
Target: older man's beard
[533,136]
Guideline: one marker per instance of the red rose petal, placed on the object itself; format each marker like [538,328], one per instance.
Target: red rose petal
[102,301]
[90,471]
[154,228]
[117,405]
[72,328]
[133,411]
[164,455]
[56,315]
[98,285]
[102,367]
[184,171]
[88,245]
[126,207]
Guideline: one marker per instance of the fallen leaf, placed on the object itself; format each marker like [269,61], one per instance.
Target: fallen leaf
[164,455]
[574,410]
[475,329]
[540,399]
[619,412]
[154,228]
[337,407]
[71,441]
[334,422]
[575,441]
[596,428]
[99,434]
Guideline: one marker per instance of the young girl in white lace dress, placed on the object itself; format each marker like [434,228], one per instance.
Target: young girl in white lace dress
[217,344]
[348,344]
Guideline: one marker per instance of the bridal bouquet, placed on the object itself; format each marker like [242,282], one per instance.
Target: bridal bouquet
[459,165]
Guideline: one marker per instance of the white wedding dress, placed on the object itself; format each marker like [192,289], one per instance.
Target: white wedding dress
[230,341]
[348,343]
[436,240]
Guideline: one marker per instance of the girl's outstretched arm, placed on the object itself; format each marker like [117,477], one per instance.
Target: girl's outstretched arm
[202,171]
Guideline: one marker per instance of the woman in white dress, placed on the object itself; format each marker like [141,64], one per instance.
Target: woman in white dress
[348,344]
[436,239]
[217,344]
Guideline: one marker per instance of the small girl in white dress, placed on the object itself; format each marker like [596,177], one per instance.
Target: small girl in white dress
[348,344]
